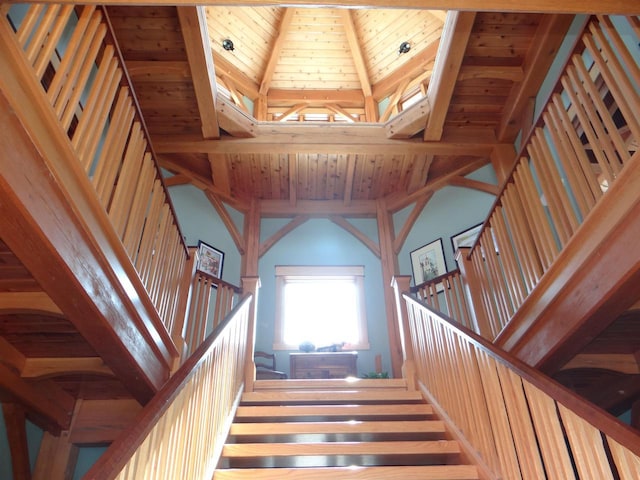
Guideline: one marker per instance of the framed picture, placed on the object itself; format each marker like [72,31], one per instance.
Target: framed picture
[428,262]
[209,260]
[465,238]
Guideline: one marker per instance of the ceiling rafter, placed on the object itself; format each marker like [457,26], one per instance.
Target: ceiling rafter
[228,221]
[276,48]
[289,227]
[236,96]
[398,242]
[193,23]
[349,227]
[359,62]
[341,111]
[393,101]
[292,111]
[464,182]
[224,68]
[453,43]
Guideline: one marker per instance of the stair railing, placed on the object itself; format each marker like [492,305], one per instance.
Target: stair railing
[66,57]
[519,423]
[584,139]
[181,432]
[446,294]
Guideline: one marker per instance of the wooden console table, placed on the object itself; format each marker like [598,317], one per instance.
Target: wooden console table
[323,364]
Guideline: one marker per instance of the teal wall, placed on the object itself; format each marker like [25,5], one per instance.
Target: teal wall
[450,211]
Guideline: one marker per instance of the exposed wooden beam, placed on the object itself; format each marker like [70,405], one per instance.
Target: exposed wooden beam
[14,420]
[101,421]
[356,52]
[228,221]
[57,457]
[28,302]
[617,362]
[49,406]
[193,22]
[236,95]
[410,222]
[397,201]
[393,101]
[289,227]
[251,232]
[548,38]
[409,122]
[460,181]
[419,172]
[409,70]
[453,43]
[234,120]
[622,7]
[341,111]
[220,172]
[275,49]
[224,68]
[316,97]
[11,357]
[505,72]
[178,179]
[40,367]
[292,111]
[348,179]
[349,227]
[317,208]
[338,138]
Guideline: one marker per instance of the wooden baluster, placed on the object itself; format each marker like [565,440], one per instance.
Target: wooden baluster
[512,271]
[45,56]
[578,149]
[40,33]
[400,284]
[250,285]
[159,249]
[86,17]
[569,161]
[150,228]
[120,206]
[90,43]
[134,228]
[497,279]
[114,146]
[29,22]
[473,293]
[617,80]
[621,153]
[491,315]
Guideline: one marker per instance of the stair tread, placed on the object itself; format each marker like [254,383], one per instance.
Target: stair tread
[429,472]
[330,384]
[355,411]
[323,396]
[435,447]
[285,428]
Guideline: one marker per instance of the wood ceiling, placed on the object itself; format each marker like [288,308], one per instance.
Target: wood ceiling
[337,79]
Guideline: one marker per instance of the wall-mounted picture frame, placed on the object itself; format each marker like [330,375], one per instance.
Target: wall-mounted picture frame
[210,259]
[466,238]
[428,262]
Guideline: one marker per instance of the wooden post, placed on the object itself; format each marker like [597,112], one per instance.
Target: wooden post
[57,457]
[14,419]
[400,284]
[389,261]
[472,290]
[184,299]
[251,285]
[503,158]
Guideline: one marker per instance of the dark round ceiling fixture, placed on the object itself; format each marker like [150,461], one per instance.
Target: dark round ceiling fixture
[227,44]
[404,47]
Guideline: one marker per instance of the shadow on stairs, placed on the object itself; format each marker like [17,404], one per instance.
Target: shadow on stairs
[339,429]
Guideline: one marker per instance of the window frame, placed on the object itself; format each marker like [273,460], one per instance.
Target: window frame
[288,273]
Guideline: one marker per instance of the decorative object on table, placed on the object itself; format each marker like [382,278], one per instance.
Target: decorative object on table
[336,347]
[306,347]
[427,262]
[210,260]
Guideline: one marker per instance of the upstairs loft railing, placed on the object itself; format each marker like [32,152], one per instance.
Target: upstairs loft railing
[181,432]
[519,424]
[446,294]
[586,137]
[68,54]
[211,300]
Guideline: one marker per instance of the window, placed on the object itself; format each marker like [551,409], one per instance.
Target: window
[321,305]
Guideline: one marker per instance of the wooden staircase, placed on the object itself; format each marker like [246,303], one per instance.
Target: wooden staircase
[321,429]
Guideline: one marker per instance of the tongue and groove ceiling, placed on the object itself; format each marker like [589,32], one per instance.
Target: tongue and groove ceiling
[316,103]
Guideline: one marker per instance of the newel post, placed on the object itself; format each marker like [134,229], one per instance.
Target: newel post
[401,284]
[182,309]
[251,285]
[473,291]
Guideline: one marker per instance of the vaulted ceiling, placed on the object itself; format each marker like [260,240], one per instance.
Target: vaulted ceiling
[311,103]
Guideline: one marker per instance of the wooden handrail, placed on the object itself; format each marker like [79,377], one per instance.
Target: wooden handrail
[519,421]
[190,416]
[558,178]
